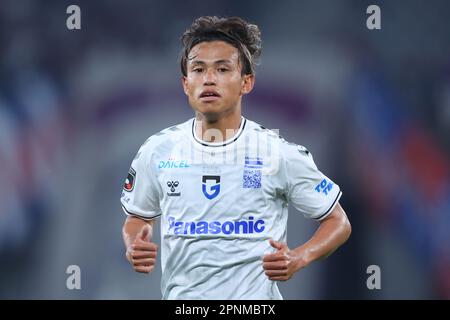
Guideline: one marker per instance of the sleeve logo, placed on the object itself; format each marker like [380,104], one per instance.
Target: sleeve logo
[129,182]
[324,186]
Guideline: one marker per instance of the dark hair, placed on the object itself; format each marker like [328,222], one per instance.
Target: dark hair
[239,33]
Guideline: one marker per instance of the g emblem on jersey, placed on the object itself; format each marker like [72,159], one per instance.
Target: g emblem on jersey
[214,189]
[129,182]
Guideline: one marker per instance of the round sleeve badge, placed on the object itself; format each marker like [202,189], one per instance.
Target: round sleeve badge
[129,182]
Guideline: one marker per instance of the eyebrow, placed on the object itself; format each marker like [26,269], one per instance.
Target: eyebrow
[225,61]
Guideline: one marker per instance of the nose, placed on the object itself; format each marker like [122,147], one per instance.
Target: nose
[210,78]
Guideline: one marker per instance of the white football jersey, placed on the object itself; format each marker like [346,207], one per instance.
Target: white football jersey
[220,203]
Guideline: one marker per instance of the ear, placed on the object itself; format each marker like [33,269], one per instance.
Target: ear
[248,81]
[185,85]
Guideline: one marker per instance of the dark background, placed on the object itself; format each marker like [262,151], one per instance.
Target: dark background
[373,107]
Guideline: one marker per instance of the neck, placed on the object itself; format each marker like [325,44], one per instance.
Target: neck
[217,129]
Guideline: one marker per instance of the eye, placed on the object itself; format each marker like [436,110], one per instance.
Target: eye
[223,69]
[198,70]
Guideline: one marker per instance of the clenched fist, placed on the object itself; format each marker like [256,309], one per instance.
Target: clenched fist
[142,253]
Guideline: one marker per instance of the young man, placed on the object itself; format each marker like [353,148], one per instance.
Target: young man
[221,183]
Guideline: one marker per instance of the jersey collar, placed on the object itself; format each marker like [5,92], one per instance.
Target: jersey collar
[222,143]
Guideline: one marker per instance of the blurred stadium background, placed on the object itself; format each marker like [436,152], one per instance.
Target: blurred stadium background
[372,106]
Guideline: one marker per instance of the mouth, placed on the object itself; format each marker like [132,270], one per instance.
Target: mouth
[209,95]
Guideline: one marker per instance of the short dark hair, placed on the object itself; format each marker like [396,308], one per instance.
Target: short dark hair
[239,33]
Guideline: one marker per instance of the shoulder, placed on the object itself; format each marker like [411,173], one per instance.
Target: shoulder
[257,131]
[166,137]
[287,148]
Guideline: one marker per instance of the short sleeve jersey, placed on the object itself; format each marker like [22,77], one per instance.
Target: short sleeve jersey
[220,203]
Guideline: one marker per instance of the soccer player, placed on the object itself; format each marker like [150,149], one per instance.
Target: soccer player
[221,183]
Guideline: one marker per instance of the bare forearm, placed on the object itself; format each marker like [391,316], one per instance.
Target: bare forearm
[140,251]
[132,227]
[332,233]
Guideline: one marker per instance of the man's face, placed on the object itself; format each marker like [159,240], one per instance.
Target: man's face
[214,84]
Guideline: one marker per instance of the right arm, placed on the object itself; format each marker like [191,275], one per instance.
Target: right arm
[140,201]
[140,251]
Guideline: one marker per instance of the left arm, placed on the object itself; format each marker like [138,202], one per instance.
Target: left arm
[333,231]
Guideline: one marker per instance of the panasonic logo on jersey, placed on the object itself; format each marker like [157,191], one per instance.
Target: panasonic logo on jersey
[216,227]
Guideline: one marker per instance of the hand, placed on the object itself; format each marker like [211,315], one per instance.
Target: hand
[142,253]
[280,265]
